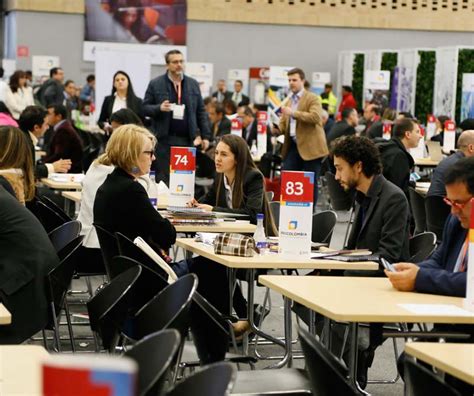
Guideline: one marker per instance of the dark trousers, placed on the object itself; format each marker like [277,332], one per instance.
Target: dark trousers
[294,162]
[211,342]
[162,153]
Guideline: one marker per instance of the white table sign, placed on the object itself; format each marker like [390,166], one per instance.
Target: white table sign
[236,127]
[296,213]
[449,139]
[182,173]
[430,127]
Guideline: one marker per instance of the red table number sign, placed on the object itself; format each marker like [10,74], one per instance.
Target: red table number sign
[297,187]
[236,127]
[182,175]
[449,138]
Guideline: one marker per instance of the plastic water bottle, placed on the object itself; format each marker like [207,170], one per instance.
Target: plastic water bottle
[259,235]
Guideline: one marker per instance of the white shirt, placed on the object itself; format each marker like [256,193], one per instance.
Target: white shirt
[228,193]
[95,177]
[119,103]
[19,100]
[237,97]
[295,100]
[3,90]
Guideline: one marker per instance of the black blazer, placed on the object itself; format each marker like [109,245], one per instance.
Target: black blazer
[136,105]
[253,202]
[384,229]
[122,205]
[26,256]
[227,95]
[40,169]
[252,135]
[223,128]
[340,128]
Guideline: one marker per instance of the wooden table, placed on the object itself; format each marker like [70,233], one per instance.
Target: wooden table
[5,316]
[268,261]
[61,185]
[426,163]
[455,359]
[361,300]
[20,369]
[241,227]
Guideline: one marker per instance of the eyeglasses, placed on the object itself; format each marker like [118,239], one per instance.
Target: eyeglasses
[457,205]
[150,153]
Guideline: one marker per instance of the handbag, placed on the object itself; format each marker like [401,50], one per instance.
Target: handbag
[233,244]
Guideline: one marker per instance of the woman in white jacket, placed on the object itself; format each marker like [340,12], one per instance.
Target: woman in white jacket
[18,94]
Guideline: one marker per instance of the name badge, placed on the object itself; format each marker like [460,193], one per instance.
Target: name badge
[178,112]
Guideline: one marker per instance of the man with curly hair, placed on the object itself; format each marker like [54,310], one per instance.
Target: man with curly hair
[380,224]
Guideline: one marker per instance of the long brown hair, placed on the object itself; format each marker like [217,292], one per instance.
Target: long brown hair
[15,152]
[15,80]
[244,164]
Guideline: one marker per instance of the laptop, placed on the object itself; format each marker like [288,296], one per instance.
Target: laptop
[434,149]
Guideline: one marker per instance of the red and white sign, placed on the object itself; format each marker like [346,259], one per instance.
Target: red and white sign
[262,116]
[387,131]
[261,138]
[236,127]
[449,138]
[182,175]
[430,127]
[22,51]
[296,213]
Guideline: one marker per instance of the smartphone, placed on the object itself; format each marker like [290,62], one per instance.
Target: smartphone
[387,265]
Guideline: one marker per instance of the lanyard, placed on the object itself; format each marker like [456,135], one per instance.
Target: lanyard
[177,88]
[462,263]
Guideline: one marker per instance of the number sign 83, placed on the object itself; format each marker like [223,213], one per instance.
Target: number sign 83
[294,188]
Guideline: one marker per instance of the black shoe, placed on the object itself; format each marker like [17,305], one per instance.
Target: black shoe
[364,361]
[259,313]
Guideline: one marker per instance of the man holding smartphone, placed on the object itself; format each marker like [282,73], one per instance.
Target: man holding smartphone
[445,271]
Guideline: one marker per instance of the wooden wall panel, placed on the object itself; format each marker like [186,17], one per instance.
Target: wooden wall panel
[60,6]
[444,15]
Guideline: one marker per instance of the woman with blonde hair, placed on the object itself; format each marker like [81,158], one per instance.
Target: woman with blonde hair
[16,165]
[95,177]
[121,203]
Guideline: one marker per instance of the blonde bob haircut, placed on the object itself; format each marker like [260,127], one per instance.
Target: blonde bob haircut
[126,145]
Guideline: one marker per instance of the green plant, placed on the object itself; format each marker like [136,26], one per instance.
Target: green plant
[465,65]
[389,62]
[358,79]
[425,75]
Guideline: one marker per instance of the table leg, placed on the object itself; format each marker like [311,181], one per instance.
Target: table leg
[67,205]
[354,350]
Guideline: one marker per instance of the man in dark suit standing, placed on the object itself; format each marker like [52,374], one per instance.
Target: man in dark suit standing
[173,102]
[65,143]
[345,127]
[221,94]
[52,91]
[26,257]
[238,97]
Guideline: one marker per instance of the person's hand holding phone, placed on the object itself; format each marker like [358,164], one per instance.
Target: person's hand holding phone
[404,276]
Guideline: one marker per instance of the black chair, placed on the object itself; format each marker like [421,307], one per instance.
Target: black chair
[109,308]
[169,309]
[148,285]
[64,234]
[55,207]
[215,380]
[417,203]
[47,216]
[339,199]
[437,211]
[323,226]
[327,374]
[421,246]
[56,286]
[422,382]
[108,247]
[154,355]
[275,208]
[128,249]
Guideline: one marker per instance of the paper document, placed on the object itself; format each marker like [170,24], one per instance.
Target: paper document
[436,309]
[148,250]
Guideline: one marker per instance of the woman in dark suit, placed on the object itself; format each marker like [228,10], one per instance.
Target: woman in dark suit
[121,203]
[238,188]
[122,97]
